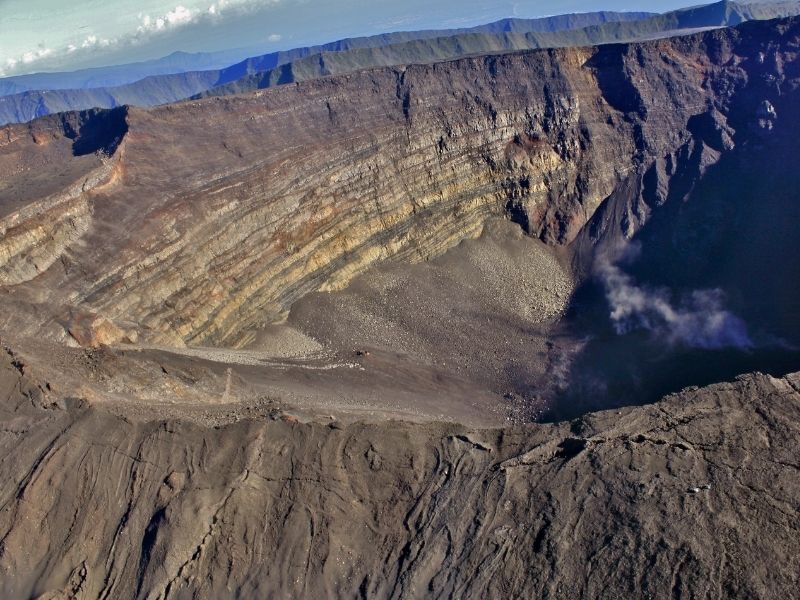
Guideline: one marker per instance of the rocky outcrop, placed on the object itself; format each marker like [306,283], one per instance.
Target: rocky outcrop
[225,211]
[694,495]
[38,234]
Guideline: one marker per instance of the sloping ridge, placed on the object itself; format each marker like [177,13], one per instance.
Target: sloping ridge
[506,38]
[345,56]
[161,89]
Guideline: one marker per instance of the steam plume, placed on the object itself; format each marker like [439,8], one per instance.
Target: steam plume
[699,321]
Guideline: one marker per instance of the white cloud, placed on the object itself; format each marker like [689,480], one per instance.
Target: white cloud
[177,17]
[182,16]
[33,55]
[144,28]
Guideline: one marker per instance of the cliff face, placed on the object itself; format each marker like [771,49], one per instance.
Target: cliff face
[205,219]
[152,472]
[696,495]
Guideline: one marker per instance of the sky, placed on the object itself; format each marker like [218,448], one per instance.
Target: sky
[63,35]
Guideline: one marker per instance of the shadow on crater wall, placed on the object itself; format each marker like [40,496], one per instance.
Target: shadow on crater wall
[95,130]
[733,230]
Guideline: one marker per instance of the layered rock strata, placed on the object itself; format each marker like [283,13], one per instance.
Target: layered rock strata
[218,214]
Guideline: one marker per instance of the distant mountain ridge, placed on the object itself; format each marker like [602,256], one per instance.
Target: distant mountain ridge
[510,37]
[390,49]
[184,62]
[19,102]
[117,75]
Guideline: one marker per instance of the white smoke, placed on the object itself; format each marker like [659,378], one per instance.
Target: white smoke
[698,321]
